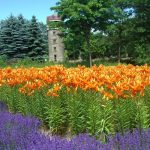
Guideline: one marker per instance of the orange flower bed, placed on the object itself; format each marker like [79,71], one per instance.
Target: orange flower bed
[111,82]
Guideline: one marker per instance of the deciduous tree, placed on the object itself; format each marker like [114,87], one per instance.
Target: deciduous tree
[83,16]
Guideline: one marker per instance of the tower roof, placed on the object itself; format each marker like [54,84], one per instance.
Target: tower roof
[53,18]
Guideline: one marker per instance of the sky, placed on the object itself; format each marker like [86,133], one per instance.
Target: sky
[28,8]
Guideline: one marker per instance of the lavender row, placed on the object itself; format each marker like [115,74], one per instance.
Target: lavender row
[21,133]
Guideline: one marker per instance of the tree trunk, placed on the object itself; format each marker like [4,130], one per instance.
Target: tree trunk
[90,59]
[119,55]
[120,43]
[89,50]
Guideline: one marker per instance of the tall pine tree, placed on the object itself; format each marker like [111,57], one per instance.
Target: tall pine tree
[21,37]
[7,41]
[36,42]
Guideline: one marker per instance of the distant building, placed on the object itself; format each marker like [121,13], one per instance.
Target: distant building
[55,43]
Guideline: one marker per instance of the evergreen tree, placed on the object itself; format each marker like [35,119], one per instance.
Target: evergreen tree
[20,38]
[12,41]
[7,31]
[1,28]
[35,40]
[43,30]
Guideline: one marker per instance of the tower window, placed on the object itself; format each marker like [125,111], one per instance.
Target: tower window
[55,50]
[54,41]
[54,32]
[55,57]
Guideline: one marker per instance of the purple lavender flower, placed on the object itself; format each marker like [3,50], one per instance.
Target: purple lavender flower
[21,133]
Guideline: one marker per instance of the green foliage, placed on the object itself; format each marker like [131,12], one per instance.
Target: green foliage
[55,24]
[24,62]
[54,115]
[95,121]
[142,52]
[146,100]
[124,114]
[73,44]
[76,110]
[106,124]
[28,62]
[3,61]
[142,116]
[35,41]
[81,111]
[15,38]
[7,33]
[124,26]
[98,46]
[83,16]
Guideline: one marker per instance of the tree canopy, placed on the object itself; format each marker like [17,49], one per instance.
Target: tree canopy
[83,16]
[120,28]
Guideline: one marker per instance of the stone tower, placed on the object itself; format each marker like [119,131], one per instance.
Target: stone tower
[55,43]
